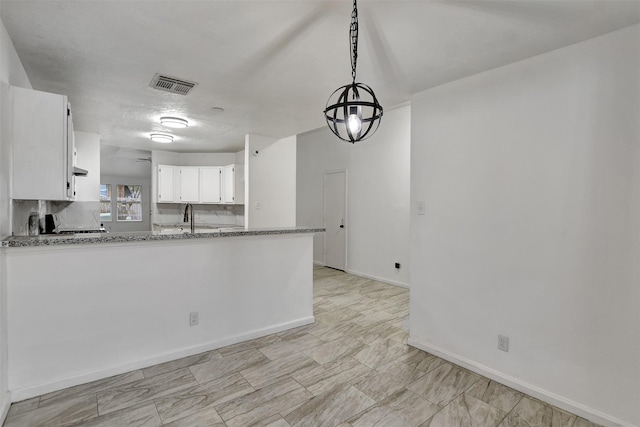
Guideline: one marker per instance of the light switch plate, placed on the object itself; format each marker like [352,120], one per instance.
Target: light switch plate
[420,206]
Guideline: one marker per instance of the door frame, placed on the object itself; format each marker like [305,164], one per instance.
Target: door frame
[346,215]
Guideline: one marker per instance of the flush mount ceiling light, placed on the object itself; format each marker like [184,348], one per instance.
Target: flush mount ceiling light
[174,122]
[353,112]
[162,138]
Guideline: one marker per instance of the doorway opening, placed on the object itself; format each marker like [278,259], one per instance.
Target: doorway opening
[335,210]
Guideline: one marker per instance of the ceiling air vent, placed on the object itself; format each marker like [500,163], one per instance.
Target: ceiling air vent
[172,84]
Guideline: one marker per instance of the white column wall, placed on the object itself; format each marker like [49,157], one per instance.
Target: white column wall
[377,194]
[270,177]
[11,73]
[91,311]
[529,175]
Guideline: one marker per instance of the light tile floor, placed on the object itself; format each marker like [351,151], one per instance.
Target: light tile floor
[351,368]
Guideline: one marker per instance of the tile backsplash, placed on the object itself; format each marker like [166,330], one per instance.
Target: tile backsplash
[21,211]
[172,213]
[76,214]
[70,214]
[87,214]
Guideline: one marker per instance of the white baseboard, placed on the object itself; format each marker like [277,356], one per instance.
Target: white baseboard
[379,279]
[62,383]
[369,276]
[5,403]
[579,409]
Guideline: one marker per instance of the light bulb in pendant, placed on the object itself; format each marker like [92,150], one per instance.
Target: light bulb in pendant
[354,121]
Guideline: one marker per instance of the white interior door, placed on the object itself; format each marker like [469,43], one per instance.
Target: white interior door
[335,242]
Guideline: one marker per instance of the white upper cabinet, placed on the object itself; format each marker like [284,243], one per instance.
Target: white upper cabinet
[42,146]
[233,185]
[189,184]
[201,184]
[167,184]
[210,178]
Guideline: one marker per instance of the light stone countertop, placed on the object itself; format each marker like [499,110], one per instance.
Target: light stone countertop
[141,236]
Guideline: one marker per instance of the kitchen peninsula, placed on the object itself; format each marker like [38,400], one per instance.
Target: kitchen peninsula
[89,307]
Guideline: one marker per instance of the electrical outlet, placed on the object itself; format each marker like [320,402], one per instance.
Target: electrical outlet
[503,343]
[194,318]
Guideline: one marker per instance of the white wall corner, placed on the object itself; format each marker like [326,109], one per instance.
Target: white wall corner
[541,248]
[515,383]
[270,172]
[5,404]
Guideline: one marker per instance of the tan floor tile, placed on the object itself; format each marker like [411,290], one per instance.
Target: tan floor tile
[495,394]
[381,353]
[207,371]
[92,387]
[332,350]
[144,415]
[534,413]
[467,411]
[581,422]
[323,378]
[274,370]
[276,421]
[145,390]
[383,382]
[330,408]
[206,418]
[202,397]
[184,362]
[284,348]
[23,406]
[401,409]
[421,360]
[443,384]
[248,345]
[67,411]
[263,403]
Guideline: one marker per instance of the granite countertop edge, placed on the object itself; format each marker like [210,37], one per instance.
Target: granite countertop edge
[58,240]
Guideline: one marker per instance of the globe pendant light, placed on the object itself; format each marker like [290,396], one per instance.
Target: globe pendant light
[353,112]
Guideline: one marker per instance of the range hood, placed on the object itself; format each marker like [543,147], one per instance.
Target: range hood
[79,171]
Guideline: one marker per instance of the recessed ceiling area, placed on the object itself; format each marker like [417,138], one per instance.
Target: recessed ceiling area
[271,65]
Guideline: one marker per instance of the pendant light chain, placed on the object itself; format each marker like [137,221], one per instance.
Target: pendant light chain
[353,35]
[353,112]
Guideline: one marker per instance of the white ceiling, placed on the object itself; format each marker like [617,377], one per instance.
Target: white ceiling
[272,64]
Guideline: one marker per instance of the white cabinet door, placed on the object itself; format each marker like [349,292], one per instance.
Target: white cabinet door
[190,184]
[166,184]
[229,184]
[233,184]
[210,179]
[41,167]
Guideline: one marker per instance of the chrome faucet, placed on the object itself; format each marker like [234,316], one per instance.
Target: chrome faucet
[186,216]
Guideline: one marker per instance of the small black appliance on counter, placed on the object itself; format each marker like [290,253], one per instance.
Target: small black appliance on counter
[51,223]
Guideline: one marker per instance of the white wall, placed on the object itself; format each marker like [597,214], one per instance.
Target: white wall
[11,73]
[88,148]
[270,181]
[126,306]
[529,175]
[121,161]
[377,194]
